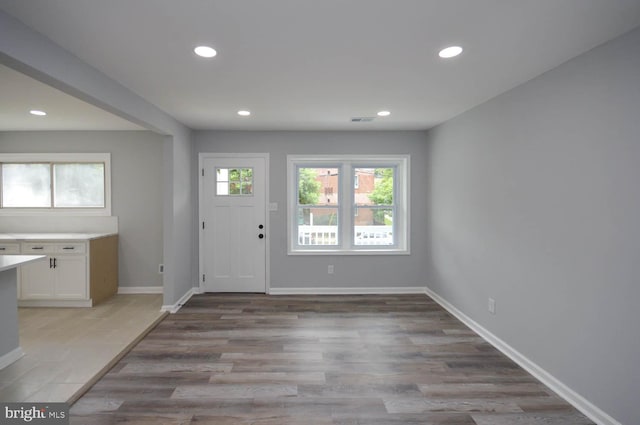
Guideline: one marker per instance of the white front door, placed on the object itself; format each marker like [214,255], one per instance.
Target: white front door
[233,223]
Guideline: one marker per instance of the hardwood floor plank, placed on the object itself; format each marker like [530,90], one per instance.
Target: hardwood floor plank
[234,391]
[139,419]
[420,405]
[481,390]
[409,419]
[531,419]
[305,356]
[92,405]
[359,390]
[273,420]
[270,377]
[173,367]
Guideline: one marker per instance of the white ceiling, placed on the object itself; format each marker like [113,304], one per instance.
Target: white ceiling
[314,64]
[20,94]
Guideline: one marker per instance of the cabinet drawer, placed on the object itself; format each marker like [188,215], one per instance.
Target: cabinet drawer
[71,248]
[9,248]
[38,248]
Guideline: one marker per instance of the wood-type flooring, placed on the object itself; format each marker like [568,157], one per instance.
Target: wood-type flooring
[318,360]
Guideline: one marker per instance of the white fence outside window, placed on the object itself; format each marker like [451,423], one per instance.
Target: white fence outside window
[328,235]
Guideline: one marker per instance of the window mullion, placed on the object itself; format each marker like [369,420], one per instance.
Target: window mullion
[349,199]
[342,211]
[51,185]
[394,206]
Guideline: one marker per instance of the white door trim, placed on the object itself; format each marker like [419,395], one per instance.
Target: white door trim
[201,212]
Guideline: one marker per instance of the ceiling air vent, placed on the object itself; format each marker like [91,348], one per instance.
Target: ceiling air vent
[362,119]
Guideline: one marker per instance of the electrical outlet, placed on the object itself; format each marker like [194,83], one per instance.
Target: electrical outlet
[160,268]
[492,306]
[330,269]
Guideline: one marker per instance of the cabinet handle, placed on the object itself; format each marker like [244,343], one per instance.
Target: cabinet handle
[50,262]
[3,249]
[54,263]
[37,247]
[69,247]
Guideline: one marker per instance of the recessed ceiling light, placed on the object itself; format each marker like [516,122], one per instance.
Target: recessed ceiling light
[450,52]
[38,112]
[205,51]
[384,113]
[244,113]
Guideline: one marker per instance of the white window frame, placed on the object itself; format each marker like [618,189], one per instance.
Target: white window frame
[54,158]
[346,203]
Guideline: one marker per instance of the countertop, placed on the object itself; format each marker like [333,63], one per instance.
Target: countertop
[11,261]
[52,236]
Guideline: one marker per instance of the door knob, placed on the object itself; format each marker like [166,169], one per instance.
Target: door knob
[261,236]
[260,226]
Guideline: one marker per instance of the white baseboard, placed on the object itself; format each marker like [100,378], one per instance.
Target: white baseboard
[576,400]
[173,308]
[55,303]
[10,357]
[375,290]
[140,290]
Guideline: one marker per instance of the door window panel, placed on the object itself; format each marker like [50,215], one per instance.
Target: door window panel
[234,181]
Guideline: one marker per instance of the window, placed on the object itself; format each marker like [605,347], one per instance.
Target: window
[234,181]
[348,204]
[77,184]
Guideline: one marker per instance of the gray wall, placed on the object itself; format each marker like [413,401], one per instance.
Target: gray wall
[179,228]
[137,179]
[9,337]
[350,271]
[535,201]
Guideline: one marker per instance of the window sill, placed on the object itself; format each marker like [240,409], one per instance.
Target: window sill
[55,212]
[350,252]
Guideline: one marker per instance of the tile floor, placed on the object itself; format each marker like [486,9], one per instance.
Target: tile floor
[67,349]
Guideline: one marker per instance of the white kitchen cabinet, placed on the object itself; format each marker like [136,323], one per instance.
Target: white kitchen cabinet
[71,277]
[77,273]
[36,280]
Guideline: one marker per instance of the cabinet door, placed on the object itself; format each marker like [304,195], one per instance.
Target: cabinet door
[36,280]
[71,277]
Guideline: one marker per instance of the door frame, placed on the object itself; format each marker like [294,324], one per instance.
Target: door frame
[201,212]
